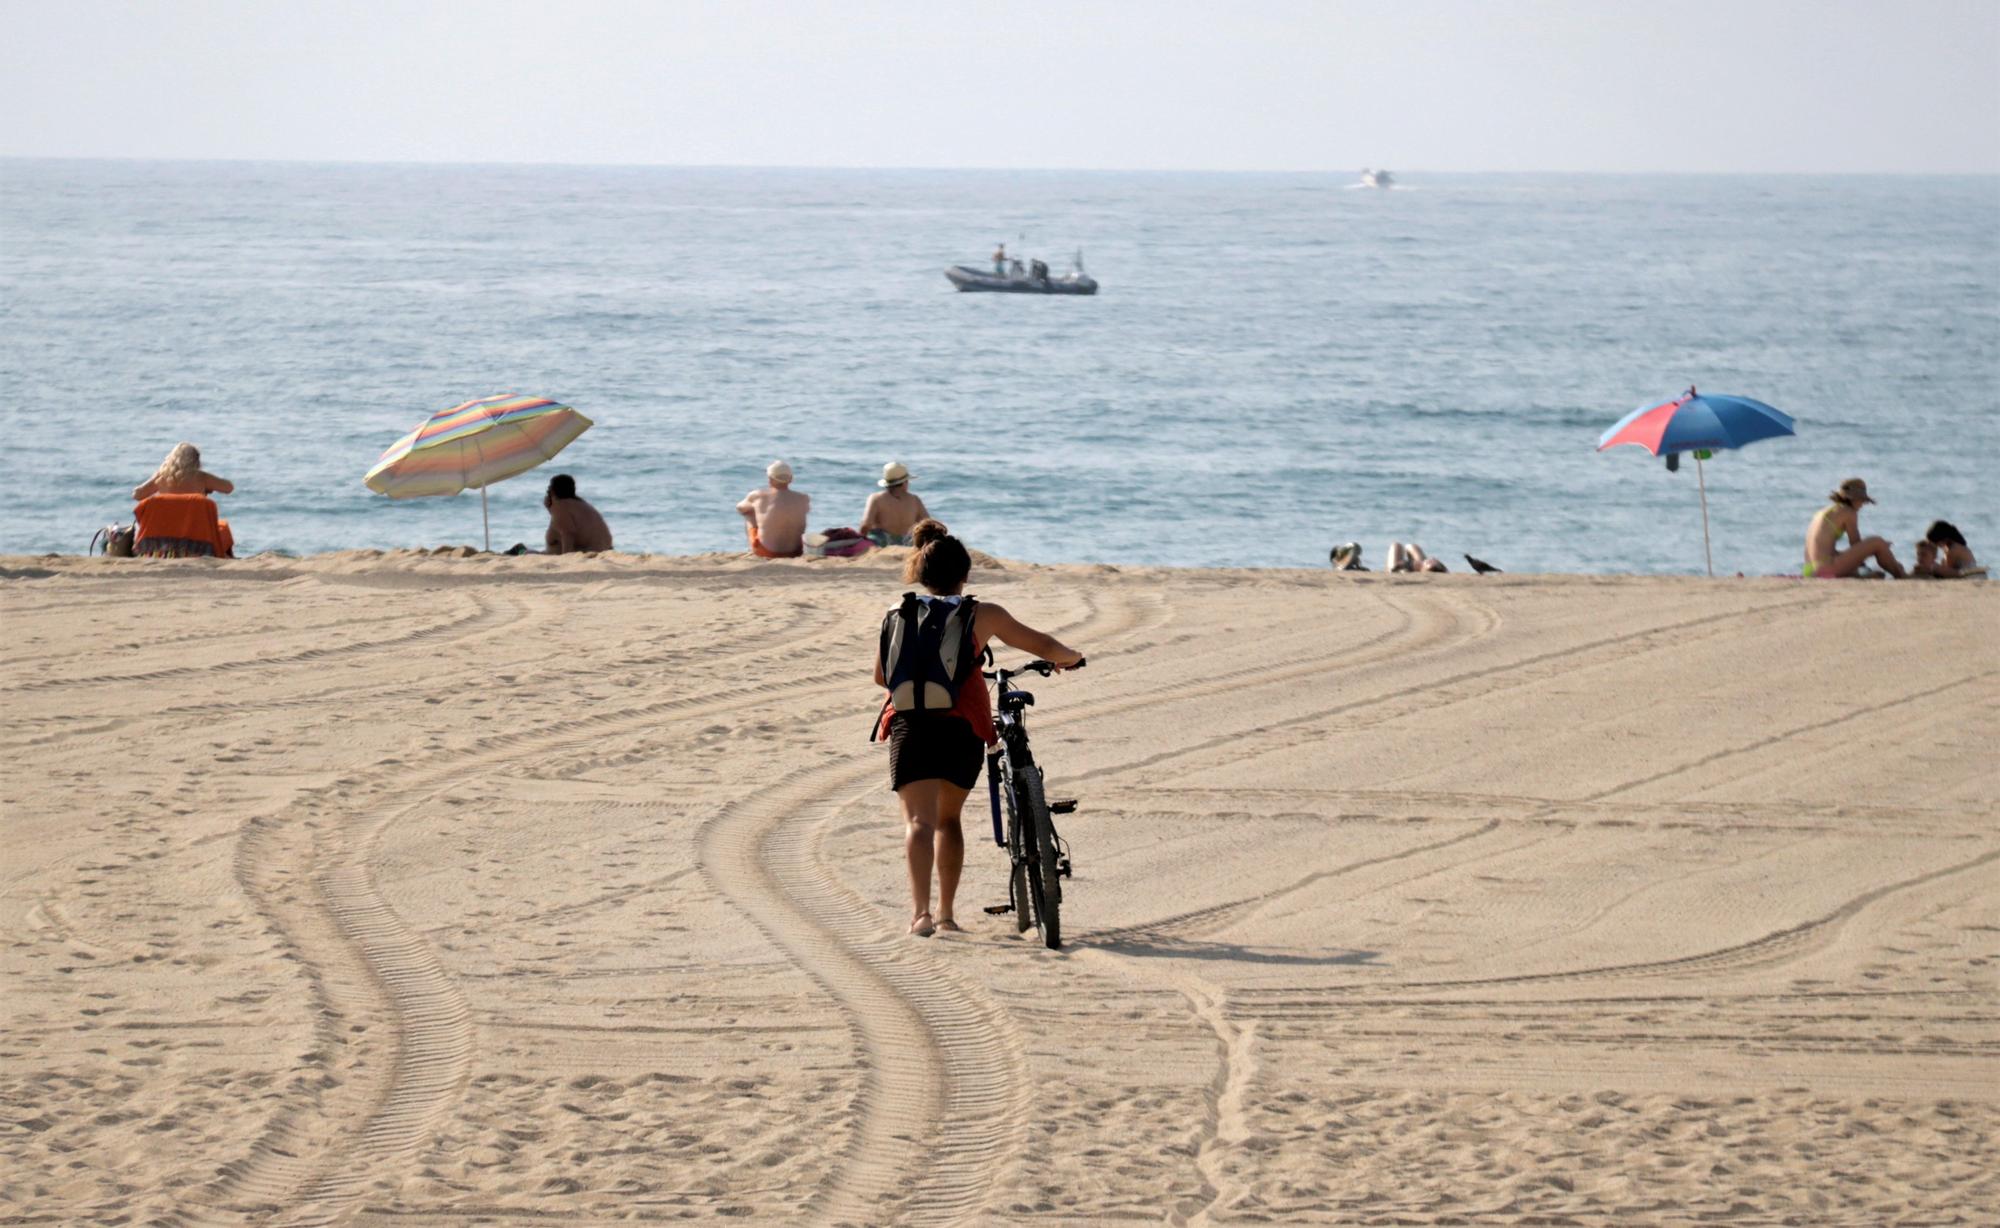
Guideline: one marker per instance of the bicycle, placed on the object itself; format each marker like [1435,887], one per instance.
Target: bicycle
[1039,857]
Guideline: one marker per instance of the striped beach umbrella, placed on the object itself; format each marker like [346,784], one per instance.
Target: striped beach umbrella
[473,445]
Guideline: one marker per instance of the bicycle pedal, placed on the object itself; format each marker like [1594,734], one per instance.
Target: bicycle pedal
[1062,868]
[994,910]
[1063,805]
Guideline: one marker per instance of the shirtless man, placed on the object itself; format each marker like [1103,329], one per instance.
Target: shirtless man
[1842,516]
[776,516]
[575,527]
[893,511]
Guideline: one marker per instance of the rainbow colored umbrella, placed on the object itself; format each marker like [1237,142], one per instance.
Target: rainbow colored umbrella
[1698,424]
[474,445]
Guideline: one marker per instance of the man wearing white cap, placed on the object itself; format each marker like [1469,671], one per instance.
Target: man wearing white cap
[776,515]
[893,511]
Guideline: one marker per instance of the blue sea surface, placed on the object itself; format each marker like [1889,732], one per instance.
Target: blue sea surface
[1275,363]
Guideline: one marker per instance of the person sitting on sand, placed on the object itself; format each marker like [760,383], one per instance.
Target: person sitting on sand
[1411,557]
[575,527]
[181,474]
[1346,557]
[1926,566]
[1842,517]
[894,511]
[776,515]
[934,757]
[1954,558]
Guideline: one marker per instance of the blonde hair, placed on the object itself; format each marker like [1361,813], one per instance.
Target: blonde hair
[182,466]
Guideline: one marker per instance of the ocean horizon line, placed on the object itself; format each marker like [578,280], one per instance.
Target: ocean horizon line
[1164,171]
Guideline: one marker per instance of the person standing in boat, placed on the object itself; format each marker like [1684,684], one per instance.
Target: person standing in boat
[1000,260]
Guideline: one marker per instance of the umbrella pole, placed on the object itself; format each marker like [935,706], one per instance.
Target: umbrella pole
[487,525]
[1706,551]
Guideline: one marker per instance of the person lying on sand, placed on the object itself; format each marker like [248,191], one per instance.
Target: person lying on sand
[776,515]
[1346,557]
[575,527]
[181,474]
[1954,559]
[934,756]
[893,511]
[1411,557]
[1842,517]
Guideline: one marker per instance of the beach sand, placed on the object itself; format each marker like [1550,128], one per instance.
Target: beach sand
[396,889]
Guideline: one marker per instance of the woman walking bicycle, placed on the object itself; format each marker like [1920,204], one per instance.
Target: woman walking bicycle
[937,717]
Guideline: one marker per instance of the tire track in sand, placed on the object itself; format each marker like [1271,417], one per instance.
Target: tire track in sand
[943,1106]
[1776,948]
[486,615]
[381,999]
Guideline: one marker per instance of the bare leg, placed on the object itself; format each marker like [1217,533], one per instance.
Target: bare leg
[1399,557]
[1869,549]
[949,849]
[1419,561]
[920,809]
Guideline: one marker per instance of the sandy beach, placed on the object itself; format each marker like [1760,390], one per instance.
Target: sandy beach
[401,889]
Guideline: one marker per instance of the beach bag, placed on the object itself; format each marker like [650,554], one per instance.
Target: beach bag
[117,539]
[927,652]
[837,544]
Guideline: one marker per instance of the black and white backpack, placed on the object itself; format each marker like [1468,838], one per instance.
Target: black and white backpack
[927,651]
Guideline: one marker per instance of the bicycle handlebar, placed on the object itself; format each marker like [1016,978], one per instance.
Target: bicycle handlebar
[1044,668]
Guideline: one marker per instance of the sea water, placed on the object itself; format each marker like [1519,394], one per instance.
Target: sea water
[1275,363]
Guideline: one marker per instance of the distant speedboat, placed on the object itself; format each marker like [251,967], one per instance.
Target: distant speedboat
[1032,279]
[1377,179]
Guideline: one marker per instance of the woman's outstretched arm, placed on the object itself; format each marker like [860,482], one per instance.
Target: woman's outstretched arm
[997,623]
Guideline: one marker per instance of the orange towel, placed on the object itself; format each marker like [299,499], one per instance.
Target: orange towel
[180,526]
[758,548]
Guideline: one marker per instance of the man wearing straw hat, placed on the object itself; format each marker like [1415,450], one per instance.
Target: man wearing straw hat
[892,512]
[776,515]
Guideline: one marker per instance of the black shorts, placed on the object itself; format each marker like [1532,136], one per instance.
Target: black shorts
[933,748]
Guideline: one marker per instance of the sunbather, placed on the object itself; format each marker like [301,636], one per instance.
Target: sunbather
[1842,517]
[1408,556]
[181,474]
[893,512]
[575,527]
[1954,557]
[776,515]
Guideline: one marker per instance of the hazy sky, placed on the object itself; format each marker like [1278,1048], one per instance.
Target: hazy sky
[1621,85]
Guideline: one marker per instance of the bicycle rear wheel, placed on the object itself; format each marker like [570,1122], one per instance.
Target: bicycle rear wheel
[1043,859]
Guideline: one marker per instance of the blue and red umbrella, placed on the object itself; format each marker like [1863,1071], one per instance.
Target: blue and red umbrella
[1691,423]
[1698,424]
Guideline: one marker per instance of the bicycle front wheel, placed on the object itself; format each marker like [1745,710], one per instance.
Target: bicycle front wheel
[1043,858]
[1020,850]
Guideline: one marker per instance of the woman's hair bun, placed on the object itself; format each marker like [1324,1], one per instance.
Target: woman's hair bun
[940,561]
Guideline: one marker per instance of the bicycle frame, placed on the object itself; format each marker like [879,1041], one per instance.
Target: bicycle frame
[1038,857]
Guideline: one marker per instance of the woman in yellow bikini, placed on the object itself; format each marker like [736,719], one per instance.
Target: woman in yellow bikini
[1842,517]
